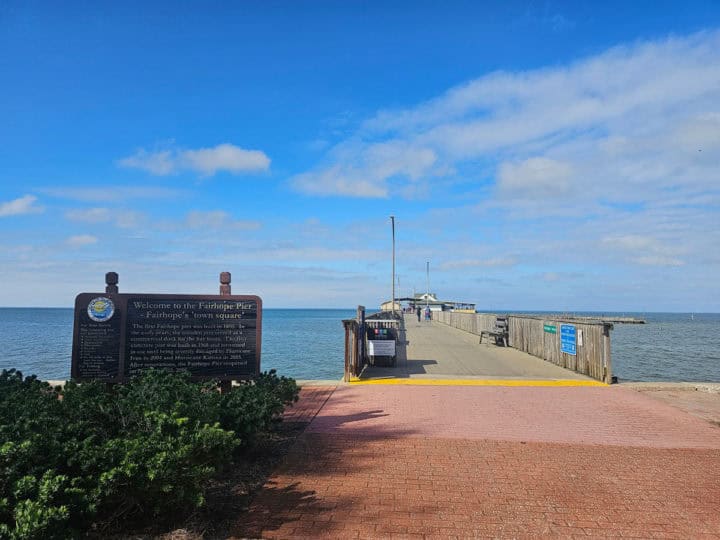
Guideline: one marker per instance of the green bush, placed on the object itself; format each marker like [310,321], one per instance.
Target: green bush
[252,408]
[92,454]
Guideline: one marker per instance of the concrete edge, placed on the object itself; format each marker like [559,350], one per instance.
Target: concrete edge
[477,382]
[708,387]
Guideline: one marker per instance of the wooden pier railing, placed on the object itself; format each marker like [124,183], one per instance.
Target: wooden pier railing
[541,337]
[475,323]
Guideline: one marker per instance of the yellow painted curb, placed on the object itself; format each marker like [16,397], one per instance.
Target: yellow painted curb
[476,382]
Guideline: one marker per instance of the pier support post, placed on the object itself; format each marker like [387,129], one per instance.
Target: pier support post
[111,287]
[360,338]
[607,358]
[348,359]
[225,279]
[111,283]
[225,289]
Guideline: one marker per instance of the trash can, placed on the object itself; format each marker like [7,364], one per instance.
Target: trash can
[381,347]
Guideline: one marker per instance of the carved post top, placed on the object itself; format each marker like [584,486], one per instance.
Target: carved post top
[111,281]
[225,279]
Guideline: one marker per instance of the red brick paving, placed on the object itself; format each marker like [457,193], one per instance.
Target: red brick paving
[583,415]
[395,462]
[310,401]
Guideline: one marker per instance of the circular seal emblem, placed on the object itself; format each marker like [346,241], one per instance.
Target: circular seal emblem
[101,309]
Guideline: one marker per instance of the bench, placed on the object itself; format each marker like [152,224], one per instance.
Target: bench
[500,333]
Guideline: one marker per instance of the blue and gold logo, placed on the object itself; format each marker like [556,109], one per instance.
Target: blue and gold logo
[101,309]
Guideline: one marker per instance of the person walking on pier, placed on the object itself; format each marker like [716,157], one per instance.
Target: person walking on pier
[418,313]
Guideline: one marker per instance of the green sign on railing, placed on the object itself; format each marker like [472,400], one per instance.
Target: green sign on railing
[550,328]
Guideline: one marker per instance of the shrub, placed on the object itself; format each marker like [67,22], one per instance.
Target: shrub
[95,454]
[250,409]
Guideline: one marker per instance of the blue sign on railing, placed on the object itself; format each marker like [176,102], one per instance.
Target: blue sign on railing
[568,343]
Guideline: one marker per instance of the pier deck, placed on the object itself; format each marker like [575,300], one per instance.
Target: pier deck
[429,350]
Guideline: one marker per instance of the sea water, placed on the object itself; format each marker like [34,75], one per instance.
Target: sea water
[670,347]
[309,343]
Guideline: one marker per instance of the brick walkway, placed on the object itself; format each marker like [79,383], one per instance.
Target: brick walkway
[464,462]
[312,398]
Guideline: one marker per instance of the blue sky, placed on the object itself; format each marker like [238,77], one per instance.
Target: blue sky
[541,155]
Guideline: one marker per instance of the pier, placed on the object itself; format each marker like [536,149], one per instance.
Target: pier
[461,439]
[431,351]
[451,346]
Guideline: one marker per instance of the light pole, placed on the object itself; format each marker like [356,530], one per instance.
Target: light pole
[427,290]
[392,221]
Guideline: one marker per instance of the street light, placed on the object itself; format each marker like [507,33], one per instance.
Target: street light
[427,290]
[392,221]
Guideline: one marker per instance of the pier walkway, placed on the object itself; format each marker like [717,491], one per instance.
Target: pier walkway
[462,440]
[431,350]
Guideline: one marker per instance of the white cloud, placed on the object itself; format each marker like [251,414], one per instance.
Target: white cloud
[478,263]
[366,173]
[629,117]
[22,205]
[128,219]
[125,219]
[645,250]
[535,176]
[311,254]
[206,161]
[339,180]
[225,157]
[552,277]
[218,219]
[158,163]
[89,215]
[631,242]
[112,193]
[658,260]
[81,240]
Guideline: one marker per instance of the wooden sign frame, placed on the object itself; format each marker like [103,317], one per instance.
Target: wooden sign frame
[215,337]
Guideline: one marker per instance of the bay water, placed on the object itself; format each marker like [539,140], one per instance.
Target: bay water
[309,343]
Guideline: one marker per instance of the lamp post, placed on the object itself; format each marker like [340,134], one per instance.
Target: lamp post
[392,221]
[427,290]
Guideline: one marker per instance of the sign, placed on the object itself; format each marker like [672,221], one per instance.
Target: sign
[117,336]
[567,339]
[381,347]
[550,328]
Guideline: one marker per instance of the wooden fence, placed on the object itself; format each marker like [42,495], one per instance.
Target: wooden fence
[470,322]
[541,337]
